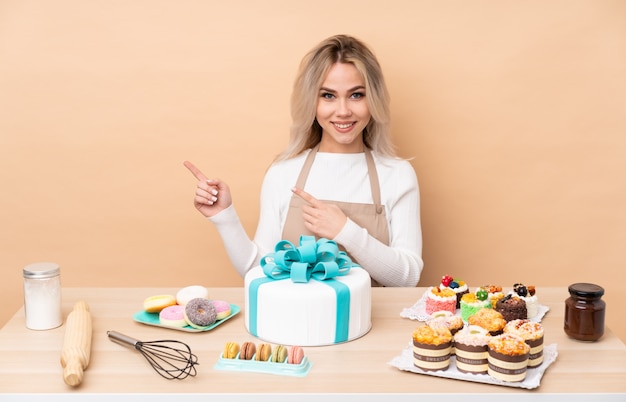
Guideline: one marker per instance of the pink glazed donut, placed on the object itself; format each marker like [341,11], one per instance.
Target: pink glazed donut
[173,316]
[222,308]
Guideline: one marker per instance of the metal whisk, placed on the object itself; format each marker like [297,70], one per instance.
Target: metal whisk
[171,359]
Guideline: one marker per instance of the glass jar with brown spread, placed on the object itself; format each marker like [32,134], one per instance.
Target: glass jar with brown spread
[584,312]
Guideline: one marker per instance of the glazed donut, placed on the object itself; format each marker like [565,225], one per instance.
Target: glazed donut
[200,313]
[155,304]
[222,308]
[173,316]
[184,295]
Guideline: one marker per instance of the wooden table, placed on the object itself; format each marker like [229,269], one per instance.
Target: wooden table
[357,370]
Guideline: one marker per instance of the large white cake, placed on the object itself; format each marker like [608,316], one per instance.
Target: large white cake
[315,313]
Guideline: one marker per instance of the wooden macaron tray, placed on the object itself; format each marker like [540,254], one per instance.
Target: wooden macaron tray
[268,367]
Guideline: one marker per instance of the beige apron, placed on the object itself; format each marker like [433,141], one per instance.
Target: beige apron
[371,217]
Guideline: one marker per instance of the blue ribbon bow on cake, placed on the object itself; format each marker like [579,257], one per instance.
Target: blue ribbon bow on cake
[319,259]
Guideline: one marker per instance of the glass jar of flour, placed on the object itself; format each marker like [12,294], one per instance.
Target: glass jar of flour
[42,296]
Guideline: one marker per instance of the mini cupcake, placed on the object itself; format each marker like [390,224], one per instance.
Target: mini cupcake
[440,300]
[512,308]
[532,334]
[471,349]
[431,348]
[472,302]
[527,293]
[489,319]
[456,285]
[494,293]
[448,320]
[508,358]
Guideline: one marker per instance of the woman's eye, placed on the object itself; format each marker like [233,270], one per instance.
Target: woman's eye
[327,95]
[358,95]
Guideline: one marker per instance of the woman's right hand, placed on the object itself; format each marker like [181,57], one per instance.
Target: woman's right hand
[212,196]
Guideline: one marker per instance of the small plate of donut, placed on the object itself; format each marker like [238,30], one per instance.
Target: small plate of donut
[153,319]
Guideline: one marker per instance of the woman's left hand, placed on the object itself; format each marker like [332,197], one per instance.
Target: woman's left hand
[324,220]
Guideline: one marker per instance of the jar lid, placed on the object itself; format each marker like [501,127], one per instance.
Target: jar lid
[41,270]
[586,290]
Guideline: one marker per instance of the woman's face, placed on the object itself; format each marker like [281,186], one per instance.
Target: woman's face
[342,110]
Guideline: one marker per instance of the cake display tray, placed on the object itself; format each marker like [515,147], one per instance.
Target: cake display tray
[144,317]
[404,362]
[268,367]
[418,311]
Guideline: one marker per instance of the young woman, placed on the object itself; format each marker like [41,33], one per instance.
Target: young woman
[339,177]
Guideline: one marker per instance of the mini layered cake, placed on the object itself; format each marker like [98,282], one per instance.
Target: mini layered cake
[431,348]
[512,308]
[489,319]
[456,285]
[532,334]
[471,303]
[440,300]
[527,293]
[508,358]
[445,319]
[471,349]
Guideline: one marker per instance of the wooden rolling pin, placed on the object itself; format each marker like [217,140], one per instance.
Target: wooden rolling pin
[77,344]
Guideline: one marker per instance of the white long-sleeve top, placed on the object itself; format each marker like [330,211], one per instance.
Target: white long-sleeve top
[338,177]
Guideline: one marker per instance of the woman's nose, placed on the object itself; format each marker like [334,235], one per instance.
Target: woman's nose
[343,108]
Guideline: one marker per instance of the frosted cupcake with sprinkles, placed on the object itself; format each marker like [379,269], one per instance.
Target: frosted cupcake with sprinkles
[458,286]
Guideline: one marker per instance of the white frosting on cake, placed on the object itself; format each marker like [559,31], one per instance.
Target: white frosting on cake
[532,305]
[438,297]
[305,314]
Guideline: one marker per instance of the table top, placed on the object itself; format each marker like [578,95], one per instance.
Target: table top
[29,360]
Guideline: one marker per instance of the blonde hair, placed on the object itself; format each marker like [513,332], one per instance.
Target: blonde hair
[305,132]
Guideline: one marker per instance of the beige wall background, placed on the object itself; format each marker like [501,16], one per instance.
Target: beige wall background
[513,113]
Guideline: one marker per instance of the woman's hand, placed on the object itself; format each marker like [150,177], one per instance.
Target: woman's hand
[324,220]
[212,196]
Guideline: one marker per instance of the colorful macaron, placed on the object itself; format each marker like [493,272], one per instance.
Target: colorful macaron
[296,354]
[280,354]
[264,352]
[247,351]
[231,349]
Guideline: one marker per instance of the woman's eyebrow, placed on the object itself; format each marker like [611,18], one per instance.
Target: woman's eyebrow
[356,88]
